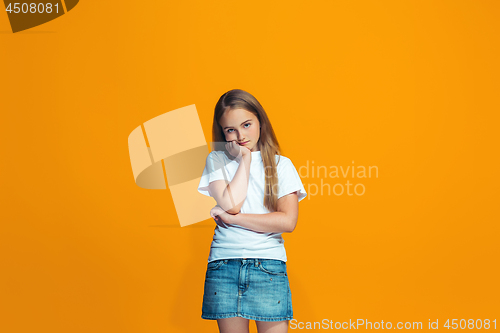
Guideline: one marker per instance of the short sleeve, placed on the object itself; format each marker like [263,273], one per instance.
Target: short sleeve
[289,180]
[213,171]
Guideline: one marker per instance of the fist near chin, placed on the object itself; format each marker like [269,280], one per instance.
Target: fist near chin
[236,150]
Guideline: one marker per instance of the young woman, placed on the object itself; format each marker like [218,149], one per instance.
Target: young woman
[257,193]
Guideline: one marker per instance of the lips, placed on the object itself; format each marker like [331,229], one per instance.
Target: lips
[243,143]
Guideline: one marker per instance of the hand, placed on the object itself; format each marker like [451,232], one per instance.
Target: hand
[236,150]
[220,216]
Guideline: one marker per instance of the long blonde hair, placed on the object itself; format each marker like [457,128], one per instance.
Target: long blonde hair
[267,144]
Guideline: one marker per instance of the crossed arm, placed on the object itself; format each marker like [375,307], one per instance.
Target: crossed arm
[283,220]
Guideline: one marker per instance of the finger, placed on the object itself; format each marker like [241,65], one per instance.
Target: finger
[220,223]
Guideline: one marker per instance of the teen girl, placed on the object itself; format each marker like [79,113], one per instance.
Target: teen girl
[257,193]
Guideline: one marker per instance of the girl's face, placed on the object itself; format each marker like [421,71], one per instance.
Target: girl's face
[242,126]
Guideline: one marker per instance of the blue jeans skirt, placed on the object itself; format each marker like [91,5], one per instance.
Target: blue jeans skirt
[250,288]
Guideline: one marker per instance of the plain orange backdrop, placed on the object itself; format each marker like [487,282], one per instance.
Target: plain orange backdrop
[408,86]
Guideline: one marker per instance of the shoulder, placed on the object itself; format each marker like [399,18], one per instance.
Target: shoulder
[215,160]
[283,160]
[284,164]
[216,155]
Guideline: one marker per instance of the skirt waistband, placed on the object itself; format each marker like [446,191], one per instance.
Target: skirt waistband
[254,261]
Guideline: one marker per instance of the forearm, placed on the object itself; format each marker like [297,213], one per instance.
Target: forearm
[270,222]
[236,191]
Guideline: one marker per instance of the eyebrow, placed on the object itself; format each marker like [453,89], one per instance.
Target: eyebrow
[240,124]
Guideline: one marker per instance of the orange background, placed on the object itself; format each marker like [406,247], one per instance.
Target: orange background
[408,86]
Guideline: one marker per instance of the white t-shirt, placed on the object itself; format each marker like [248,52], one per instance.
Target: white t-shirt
[239,242]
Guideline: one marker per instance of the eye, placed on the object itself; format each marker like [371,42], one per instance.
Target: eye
[247,124]
[229,130]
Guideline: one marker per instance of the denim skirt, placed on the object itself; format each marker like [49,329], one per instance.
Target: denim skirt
[250,288]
